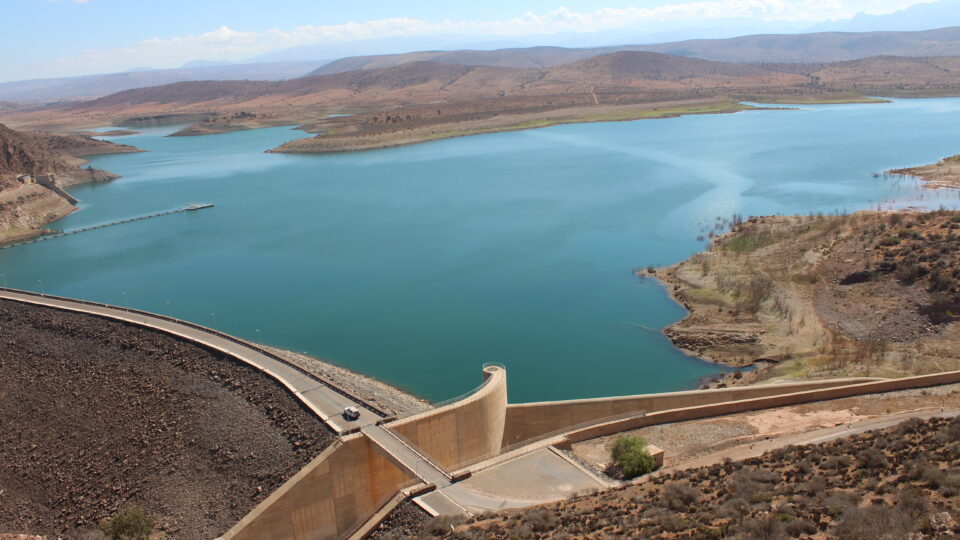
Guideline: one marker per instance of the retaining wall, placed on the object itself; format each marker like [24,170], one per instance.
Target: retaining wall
[525,421]
[465,431]
[328,498]
[744,405]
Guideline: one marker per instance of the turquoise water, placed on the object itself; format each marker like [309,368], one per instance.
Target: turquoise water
[418,264]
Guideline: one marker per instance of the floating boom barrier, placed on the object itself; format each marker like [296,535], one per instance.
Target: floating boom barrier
[187,208]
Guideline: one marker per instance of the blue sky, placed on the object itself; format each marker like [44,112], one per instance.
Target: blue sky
[71,37]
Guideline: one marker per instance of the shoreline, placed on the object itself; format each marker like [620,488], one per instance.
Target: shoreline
[337,143]
[330,134]
[942,174]
[788,296]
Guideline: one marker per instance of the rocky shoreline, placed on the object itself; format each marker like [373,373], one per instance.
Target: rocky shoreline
[868,294]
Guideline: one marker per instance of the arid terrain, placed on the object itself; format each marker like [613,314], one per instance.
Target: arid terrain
[812,296]
[425,100]
[26,207]
[943,174]
[99,415]
[880,484]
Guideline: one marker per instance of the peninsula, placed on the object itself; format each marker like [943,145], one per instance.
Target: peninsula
[34,167]
[945,173]
[872,294]
[422,100]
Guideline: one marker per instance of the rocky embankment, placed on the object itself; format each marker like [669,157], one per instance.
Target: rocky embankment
[99,415]
[865,294]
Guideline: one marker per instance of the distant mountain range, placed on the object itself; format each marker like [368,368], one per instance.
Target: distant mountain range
[757,49]
[641,75]
[773,48]
[92,86]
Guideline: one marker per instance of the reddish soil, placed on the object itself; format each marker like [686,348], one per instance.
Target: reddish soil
[99,415]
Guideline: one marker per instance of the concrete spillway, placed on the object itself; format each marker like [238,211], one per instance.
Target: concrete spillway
[188,208]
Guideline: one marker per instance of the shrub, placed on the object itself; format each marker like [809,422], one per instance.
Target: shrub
[632,456]
[874,522]
[800,527]
[910,270]
[130,524]
[541,520]
[679,496]
[889,241]
[764,528]
[871,458]
[913,502]
[836,463]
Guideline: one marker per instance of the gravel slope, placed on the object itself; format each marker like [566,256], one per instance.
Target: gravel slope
[97,415]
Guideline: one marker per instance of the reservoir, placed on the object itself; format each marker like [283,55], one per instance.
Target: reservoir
[418,264]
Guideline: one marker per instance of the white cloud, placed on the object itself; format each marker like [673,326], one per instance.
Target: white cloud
[227,44]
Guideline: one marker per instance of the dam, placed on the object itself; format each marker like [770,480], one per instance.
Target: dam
[432,457]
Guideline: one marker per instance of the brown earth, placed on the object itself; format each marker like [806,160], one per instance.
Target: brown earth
[99,415]
[424,100]
[697,442]
[887,484]
[943,174]
[824,296]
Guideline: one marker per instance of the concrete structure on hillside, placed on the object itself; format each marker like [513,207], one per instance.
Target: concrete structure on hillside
[49,181]
[350,482]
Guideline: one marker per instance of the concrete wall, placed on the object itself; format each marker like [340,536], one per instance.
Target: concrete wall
[341,487]
[463,432]
[528,420]
[743,405]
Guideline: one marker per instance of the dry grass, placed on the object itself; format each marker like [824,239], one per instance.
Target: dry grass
[887,484]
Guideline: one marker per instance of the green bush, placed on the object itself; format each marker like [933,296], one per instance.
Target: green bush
[632,456]
[131,524]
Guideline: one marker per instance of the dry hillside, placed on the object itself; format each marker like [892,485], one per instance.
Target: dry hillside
[26,208]
[619,79]
[902,482]
[868,294]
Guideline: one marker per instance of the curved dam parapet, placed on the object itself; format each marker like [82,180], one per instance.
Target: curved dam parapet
[463,432]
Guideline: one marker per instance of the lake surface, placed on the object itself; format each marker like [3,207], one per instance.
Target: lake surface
[418,264]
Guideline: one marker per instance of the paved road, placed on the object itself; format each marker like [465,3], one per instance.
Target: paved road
[318,396]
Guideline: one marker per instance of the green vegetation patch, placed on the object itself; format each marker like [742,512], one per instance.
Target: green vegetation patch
[632,456]
[130,524]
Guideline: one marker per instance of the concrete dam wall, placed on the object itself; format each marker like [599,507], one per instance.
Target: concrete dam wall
[529,420]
